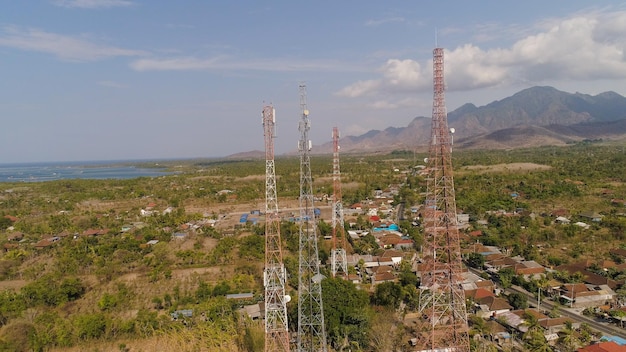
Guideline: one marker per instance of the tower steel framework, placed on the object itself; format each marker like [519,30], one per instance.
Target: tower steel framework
[442,298]
[274,275]
[339,262]
[311,331]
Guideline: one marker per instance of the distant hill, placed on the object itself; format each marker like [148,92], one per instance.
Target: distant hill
[254,154]
[532,117]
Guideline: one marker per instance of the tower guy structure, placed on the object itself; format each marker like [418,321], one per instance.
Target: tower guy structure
[339,262]
[274,275]
[442,298]
[311,331]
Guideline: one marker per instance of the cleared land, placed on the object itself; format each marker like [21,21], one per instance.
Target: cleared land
[515,167]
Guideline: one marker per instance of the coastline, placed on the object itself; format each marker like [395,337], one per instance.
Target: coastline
[52,171]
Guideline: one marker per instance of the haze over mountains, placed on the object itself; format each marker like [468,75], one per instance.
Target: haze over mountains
[533,117]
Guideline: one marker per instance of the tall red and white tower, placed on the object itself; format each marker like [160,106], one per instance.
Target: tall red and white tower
[274,275]
[442,298]
[339,262]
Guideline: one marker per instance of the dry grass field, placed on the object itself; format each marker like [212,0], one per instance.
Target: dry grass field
[510,167]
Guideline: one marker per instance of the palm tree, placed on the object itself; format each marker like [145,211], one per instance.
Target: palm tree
[534,340]
[532,323]
[567,338]
[480,328]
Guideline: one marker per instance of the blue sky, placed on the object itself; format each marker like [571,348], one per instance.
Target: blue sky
[139,79]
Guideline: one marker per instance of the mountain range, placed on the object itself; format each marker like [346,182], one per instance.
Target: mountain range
[532,117]
[535,116]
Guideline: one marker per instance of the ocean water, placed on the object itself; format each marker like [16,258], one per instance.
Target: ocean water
[40,172]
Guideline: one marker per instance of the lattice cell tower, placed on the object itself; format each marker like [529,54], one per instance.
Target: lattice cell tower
[339,262]
[274,276]
[311,331]
[442,300]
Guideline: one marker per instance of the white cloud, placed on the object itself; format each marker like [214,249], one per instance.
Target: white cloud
[469,67]
[92,4]
[382,21]
[587,47]
[64,47]
[360,88]
[354,130]
[383,104]
[396,104]
[174,64]
[229,63]
[402,74]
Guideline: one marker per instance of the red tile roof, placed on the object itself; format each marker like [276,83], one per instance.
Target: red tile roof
[482,293]
[610,346]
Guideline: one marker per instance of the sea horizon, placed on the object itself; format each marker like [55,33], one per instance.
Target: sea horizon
[93,169]
[98,162]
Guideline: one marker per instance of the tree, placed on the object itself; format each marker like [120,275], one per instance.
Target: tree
[72,288]
[505,276]
[11,305]
[90,326]
[252,247]
[346,313]
[567,338]
[221,289]
[52,330]
[533,337]
[406,275]
[518,300]
[324,228]
[476,260]
[536,342]
[387,294]
[107,302]
[204,291]
[47,290]
[619,315]
[391,339]
[480,328]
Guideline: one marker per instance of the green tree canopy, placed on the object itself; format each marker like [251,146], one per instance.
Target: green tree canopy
[347,314]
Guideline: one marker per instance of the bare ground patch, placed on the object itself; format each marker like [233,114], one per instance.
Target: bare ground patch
[350,185]
[13,285]
[252,178]
[511,167]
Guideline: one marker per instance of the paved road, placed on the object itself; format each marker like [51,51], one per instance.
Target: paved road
[601,326]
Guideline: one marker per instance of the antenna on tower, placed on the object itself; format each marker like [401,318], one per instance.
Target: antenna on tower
[311,330]
[274,274]
[338,259]
[442,299]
